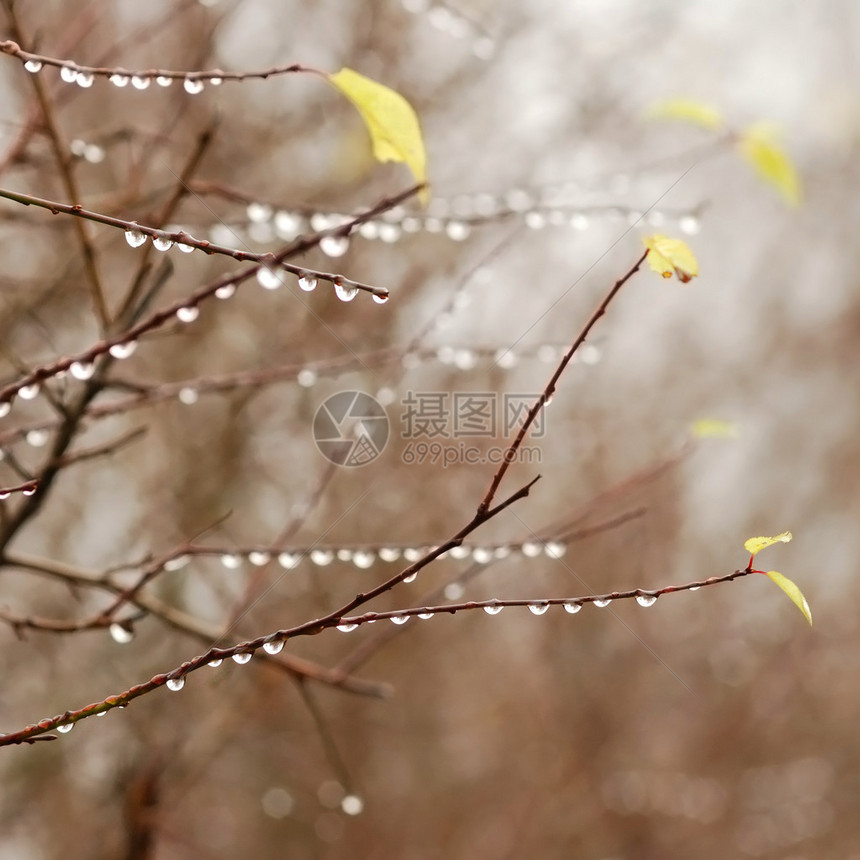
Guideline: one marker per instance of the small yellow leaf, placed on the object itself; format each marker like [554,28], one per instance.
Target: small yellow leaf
[793,592]
[714,428]
[757,544]
[390,119]
[671,256]
[687,110]
[759,145]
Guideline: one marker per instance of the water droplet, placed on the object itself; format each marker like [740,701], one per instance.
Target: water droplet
[65,728]
[369,230]
[411,578]
[389,232]
[162,243]
[482,555]
[399,619]
[123,350]
[175,684]
[258,558]
[579,221]
[352,804]
[600,604]
[493,609]
[188,396]
[646,599]
[176,563]
[531,549]
[274,647]
[135,238]
[31,490]
[101,713]
[242,657]
[465,359]
[345,290]
[5,406]
[193,86]
[226,292]
[33,66]
[334,246]
[694,588]
[119,80]
[457,230]
[94,154]
[505,358]
[538,608]
[535,220]
[572,607]
[555,549]
[37,438]
[188,314]
[381,298]
[68,74]
[216,81]
[186,249]
[120,633]
[690,225]
[268,278]
[501,552]
[459,552]
[28,392]
[308,283]
[362,559]
[215,663]
[346,627]
[387,553]
[322,557]
[84,79]
[163,80]
[258,212]
[424,616]
[141,82]
[307,377]
[4,495]
[231,561]
[412,553]
[289,560]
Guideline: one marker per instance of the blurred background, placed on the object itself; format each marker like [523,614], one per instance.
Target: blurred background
[713,724]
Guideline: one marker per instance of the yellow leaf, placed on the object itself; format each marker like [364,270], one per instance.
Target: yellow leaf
[671,256]
[757,544]
[687,110]
[390,119]
[714,428]
[793,592]
[758,144]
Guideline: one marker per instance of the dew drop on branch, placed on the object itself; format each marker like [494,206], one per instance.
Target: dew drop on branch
[538,608]
[601,603]
[119,80]
[381,298]
[135,238]
[226,292]
[307,377]
[37,438]
[268,278]
[352,804]
[555,549]
[493,609]
[457,230]
[322,557]
[162,243]
[193,86]
[308,283]
[215,663]
[176,563]
[572,607]
[482,555]
[28,392]
[389,554]
[5,406]
[258,558]
[274,647]
[424,616]
[123,350]
[411,578]
[68,74]
[399,619]
[346,627]
[188,314]
[65,728]
[141,82]
[646,599]
[84,79]
[345,291]
[362,559]
[33,66]
[188,395]
[185,249]
[175,684]
[288,560]
[163,80]
[231,561]
[120,633]
[258,212]
[242,657]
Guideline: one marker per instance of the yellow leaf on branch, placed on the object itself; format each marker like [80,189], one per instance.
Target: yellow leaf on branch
[671,257]
[793,592]
[760,147]
[754,545]
[390,119]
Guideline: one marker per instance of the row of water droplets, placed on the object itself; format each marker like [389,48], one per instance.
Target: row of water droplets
[84,77]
